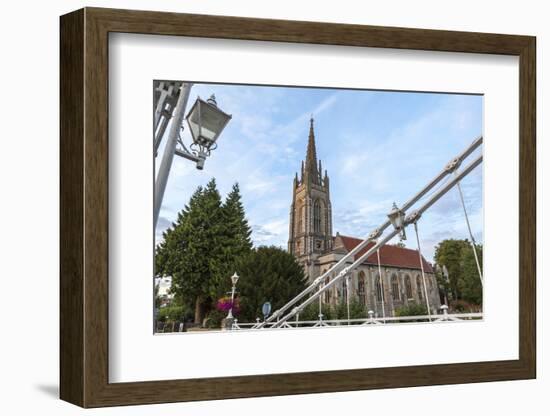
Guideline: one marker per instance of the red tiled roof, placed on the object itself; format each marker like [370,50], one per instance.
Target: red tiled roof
[389,255]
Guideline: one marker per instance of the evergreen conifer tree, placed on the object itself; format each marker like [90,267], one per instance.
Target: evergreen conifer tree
[268,274]
[192,250]
[236,238]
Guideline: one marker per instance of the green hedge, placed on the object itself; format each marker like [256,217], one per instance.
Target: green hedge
[174,313]
[338,311]
[412,309]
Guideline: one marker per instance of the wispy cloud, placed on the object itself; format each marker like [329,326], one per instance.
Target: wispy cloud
[274,232]
[378,147]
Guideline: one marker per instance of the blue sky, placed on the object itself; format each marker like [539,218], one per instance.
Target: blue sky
[378,147]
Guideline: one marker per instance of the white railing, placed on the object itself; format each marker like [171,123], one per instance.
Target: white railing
[371,320]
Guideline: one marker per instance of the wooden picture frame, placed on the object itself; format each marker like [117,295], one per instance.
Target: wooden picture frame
[84,207]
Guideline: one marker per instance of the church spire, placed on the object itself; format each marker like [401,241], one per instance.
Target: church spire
[310,225]
[311,156]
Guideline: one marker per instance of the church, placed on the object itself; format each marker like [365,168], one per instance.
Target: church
[312,242]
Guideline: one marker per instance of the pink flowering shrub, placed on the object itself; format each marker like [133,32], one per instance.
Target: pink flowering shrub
[224,304]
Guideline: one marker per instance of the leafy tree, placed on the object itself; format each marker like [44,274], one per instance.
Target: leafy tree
[267,274]
[442,283]
[449,253]
[458,257]
[156,296]
[469,283]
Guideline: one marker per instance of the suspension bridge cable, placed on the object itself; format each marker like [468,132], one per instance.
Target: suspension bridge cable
[347,280]
[320,305]
[422,270]
[435,189]
[381,285]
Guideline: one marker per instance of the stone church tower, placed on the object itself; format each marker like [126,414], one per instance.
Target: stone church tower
[310,225]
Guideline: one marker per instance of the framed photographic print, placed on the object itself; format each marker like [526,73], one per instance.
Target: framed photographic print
[256,207]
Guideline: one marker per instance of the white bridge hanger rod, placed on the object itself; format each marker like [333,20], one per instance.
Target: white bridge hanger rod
[414,216]
[472,240]
[448,169]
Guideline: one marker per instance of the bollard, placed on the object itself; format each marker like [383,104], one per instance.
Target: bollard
[444,308]
[371,316]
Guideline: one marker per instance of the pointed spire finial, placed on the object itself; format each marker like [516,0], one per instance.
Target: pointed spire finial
[212,100]
[311,155]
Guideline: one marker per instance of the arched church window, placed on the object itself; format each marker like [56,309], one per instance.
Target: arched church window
[394,287]
[327,292]
[419,287]
[408,287]
[317,216]
[361,288]
[378,288]
[344,290]
[300,219]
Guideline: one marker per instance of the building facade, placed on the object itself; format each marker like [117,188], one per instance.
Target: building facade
[386,281]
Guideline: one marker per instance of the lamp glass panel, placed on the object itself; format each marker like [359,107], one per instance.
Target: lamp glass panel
[194,122]
[212,122]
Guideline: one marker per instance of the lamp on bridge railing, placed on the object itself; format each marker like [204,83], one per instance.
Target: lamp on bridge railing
[206,122]
[397,218]
[234,280]
[266,309]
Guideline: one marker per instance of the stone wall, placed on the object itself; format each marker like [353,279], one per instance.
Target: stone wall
[392,299]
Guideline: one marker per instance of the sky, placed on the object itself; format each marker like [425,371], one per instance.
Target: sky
[378,147]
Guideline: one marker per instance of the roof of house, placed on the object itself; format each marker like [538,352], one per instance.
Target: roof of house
[389,255]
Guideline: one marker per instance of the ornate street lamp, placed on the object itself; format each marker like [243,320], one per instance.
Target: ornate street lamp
[234,280]
[206,122]
[397,218]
